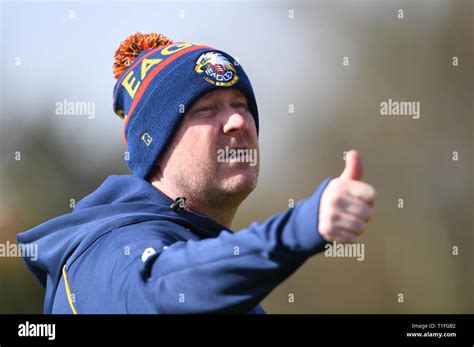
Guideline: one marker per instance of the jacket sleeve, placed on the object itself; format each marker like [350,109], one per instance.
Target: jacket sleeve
[232,272]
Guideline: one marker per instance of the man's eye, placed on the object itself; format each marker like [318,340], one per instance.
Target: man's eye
[239,105]
[204,109]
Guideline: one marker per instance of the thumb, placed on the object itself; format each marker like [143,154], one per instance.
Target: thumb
[353,169]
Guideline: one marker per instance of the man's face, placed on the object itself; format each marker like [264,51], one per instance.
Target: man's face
[199,158]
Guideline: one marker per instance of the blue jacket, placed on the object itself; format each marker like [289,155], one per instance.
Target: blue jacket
[124,250]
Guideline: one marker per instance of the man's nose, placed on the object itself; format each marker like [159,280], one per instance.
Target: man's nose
[234,121]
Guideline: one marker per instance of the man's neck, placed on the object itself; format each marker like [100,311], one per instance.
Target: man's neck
[219,211]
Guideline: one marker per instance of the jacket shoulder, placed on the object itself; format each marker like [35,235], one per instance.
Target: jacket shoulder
[165,231]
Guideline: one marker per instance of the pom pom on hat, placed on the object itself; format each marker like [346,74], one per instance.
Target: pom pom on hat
[132,46]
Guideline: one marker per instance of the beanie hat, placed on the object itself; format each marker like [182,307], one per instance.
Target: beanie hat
[158,80]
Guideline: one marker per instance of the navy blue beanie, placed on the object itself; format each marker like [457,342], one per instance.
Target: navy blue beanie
[160,84]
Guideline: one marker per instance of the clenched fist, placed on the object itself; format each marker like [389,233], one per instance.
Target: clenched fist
[346,204]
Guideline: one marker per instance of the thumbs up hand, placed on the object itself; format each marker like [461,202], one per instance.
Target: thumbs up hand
[346,204]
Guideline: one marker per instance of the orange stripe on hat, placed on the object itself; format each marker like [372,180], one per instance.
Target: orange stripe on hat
[134,65]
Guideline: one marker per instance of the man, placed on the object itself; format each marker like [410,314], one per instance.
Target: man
[160,241]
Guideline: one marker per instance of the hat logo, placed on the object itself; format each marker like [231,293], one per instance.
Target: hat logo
[217,69]
[145,137]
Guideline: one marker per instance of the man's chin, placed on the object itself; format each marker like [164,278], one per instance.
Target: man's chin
[239,183]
